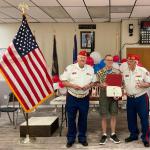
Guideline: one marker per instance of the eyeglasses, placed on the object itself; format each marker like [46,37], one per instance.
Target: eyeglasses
[131,60]
[109,60]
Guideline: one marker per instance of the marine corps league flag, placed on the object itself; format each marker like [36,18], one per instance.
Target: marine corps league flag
[24,69]
[55,68]
[75,49]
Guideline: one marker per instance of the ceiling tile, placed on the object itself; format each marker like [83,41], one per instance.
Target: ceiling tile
[122,2]
[3,4]
[32,20]
[115,20]
[121,9]
[45,20]
[55,12]
[17,2]
[1,21]
[77,12]
[97,2]
[46,2]
[10,20]
[64,20]
[83,20]
[29,19]
[141,11]
[36,12]
[11,11]
[99,12]
[3,15]
[143,2]
[71,2]
[100,19]
[120,15]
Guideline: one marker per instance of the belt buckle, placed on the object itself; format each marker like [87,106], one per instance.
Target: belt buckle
[132,96]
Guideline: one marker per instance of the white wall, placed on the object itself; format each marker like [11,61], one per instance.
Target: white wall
[105,39]
[130,41]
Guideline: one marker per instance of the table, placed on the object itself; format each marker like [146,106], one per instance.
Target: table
[40,126]
[61,101]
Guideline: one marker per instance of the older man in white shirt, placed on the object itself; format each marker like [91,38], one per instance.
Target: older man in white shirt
[78,78]
[136,82]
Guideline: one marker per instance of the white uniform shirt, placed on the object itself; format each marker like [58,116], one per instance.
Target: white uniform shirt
[123,66]
[79,76]
[132,78]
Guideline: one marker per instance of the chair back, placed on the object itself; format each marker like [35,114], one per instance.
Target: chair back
[12,99]
[95,93]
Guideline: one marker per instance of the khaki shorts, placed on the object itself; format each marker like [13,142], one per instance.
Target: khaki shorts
[107,105]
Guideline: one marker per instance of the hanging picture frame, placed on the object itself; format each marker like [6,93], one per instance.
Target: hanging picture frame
[87,39]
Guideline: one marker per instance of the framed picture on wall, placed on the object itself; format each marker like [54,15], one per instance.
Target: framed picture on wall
[87,39]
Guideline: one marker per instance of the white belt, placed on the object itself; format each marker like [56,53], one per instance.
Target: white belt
[77,95]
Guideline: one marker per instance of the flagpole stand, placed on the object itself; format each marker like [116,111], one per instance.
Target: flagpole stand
[28,139]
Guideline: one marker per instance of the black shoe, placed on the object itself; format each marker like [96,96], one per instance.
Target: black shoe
[103,140]
[69,144]
[129,139]
[146,144]
[85,143]
[115,139]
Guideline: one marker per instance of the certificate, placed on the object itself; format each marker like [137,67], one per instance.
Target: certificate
[113,91]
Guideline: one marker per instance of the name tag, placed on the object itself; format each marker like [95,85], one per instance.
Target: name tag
[126,76]
[138,78]
[74,72]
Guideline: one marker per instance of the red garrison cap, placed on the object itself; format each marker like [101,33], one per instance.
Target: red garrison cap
[123,60]
[83,53]
[116,58]
[133,57]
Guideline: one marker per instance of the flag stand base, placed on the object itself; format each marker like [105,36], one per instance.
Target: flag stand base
[27,140]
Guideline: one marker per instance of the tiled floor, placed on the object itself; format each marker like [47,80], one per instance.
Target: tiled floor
[10,137]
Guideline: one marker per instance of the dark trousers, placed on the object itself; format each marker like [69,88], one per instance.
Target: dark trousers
[74,105]
[140,106]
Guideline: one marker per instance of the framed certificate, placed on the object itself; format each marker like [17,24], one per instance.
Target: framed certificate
[113,91]
[114,79]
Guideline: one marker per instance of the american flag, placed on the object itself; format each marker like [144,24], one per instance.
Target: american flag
[25,70]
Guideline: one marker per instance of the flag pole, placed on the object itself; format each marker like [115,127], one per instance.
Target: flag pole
[23,7]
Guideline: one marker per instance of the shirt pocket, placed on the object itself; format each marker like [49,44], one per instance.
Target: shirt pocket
[74,75]
[88,77]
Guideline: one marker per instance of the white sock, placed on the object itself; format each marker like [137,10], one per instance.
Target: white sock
[105,134]
[112,133]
